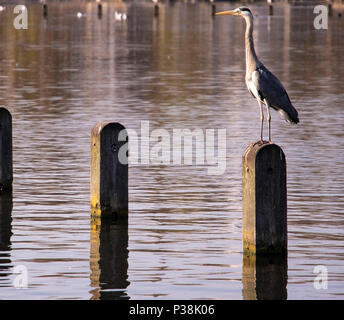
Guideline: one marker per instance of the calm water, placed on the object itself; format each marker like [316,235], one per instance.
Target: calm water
[181,70]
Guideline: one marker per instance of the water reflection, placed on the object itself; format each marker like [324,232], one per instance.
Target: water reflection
[109,259]
[264,277]
[5,235]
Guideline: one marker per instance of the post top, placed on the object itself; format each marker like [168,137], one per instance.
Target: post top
[99,127]
[255,147]
[4,111]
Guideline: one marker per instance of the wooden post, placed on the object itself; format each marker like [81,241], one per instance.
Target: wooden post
[271,9]
[100,10]
[6,167]
[45,10]
[329,8]
[156,10]
[264,192]
[109,171]
[213,9]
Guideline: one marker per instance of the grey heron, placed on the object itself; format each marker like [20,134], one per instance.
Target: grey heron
[261,83]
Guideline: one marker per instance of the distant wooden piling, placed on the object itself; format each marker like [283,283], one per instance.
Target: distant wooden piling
[271,9]
[6,166]
[213,9]
[45,10]
[329,8]
[156,10]
[100,10]
[264,192]
[109,172]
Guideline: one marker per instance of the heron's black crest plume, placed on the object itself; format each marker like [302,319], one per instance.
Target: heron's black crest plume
[245,9]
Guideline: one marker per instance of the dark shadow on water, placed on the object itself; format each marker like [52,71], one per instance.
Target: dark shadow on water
[6,205]
[109,259]
[264,277]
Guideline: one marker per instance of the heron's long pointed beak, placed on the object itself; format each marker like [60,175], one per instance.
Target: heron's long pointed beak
[231,12]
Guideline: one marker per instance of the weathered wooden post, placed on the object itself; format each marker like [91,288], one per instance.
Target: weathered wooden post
[213,9]
[264,193]
[100,10]
[45,10]
[6,167]
[156,10]
[271,8]
[109,170]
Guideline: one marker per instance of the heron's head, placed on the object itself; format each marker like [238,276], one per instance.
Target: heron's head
[242,11]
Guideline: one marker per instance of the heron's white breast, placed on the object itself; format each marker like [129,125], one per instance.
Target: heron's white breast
[251,86]
[251,81]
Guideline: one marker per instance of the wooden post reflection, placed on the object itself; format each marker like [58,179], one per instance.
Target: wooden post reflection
[109,259]
[5,233]
[264,277]
[6,166]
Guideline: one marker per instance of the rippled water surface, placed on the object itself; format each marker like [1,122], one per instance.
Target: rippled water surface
[183,69]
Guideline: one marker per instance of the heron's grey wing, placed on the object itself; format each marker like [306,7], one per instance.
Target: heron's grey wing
[271,89]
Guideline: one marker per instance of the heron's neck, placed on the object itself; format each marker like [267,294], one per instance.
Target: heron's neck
[251,57]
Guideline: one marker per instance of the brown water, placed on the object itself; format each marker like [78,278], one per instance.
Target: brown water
[181,70]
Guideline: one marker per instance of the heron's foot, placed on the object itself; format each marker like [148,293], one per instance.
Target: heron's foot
[259,142]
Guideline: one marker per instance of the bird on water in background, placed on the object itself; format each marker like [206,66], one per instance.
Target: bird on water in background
[263,85]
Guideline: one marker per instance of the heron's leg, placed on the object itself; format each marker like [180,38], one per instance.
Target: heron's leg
[261,119]
[269,117]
